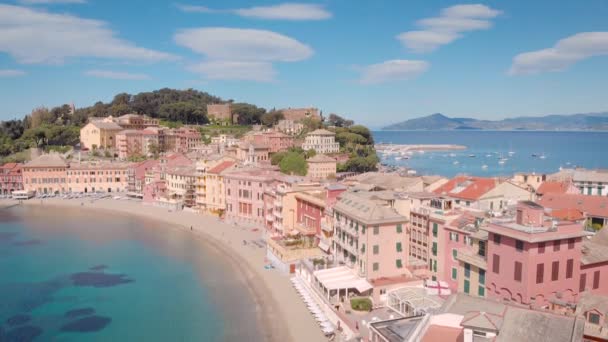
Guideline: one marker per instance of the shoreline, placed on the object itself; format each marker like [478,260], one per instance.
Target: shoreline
[267,288]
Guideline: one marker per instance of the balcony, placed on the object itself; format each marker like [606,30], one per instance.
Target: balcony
[269,218]
[596,330]
[468,256]
[326,227]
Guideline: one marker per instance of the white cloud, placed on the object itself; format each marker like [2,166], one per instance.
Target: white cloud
[566,52]
[11,73]
[241,54]
[236,70]
[50,2]
[449,26]
[284,11]
[36,36]
[393,70]
[243,44]
[194,8]
[116,75]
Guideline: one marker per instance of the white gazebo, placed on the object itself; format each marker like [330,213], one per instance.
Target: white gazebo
[340,280]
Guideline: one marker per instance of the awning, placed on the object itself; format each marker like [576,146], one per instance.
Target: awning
[342,278]
[324,246]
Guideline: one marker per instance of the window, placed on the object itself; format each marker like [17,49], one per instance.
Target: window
[454,253]
[571,243]
[399,249]
[399,228]
[453,236]
[375,266]
[482,277]
[399,264]
[596,279]
[540,273]
[593,318]
[466,286]
[376,249]
[482,248]
[434,265]
[556,246]
[434,229]
[496,239]
[541,247]
[519,245]
[454,273]
[434,249]
[555,270]
[495,263]
[481,291]
[467,270]
[583,283]
[517,275]
[376,230]
[569,268]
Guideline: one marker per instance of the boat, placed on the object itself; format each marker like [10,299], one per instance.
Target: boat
[511,153]
[502,161]
[456,162]
[542,156]
[452,155]
[484,166]
[398,158]
[534,155]
[471,156]
[488,156]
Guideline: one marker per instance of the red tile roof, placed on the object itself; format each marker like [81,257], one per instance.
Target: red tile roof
[437,333]
[553,187]
[221,166]
[567,214]
[469,188]
[591,205]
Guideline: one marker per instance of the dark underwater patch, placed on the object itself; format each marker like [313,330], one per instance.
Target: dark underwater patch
[87,324]
[31,242]
[23,334]
[79,312]
[99,279]
[18,320]
[98,268]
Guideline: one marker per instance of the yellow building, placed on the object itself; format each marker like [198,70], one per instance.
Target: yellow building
[99,134]
[210,189]
[321,167]
[472,264]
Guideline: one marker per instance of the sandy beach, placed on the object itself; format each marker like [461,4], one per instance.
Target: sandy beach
[281,313]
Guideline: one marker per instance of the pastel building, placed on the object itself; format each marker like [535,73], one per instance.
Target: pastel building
[252,153]
[11,178]
[245,195]
[181,184]
[532,260]
[275,141]
[97,177]
[321,166]
[591,182]
[322,141]
[298,114]
[289,127]
[135,121]
[211,188]
[45,174]
[136,176]
[371,238]
[99,134]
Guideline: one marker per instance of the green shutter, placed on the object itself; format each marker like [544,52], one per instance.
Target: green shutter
[399,228]
[434,265]
[482,277]
[399,264]
[467,270]
[376,249]
[481,291]
[454,273]
[434,229]
[434,248]
[466,286]
[362,229]
[399,249]
[363,248]
[454,253]
[375,266]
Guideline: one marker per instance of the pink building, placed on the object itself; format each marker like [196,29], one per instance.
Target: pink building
[245,195]
[137,175]
[45,174]
[275,141]
[187,139]
[532,260]
[10,178]
[129,143]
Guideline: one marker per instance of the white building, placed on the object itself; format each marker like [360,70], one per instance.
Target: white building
[591,182]
[322,141]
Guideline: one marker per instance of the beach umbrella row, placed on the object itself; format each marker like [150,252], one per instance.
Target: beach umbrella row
[326,326]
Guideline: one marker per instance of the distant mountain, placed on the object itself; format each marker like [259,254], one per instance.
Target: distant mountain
[438,121]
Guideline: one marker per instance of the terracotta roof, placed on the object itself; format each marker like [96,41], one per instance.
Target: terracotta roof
[105,125]
[10,166]
[437,333]
[48,160]
[552,187]
[221,167]
[591,205]
[464,187]
[321,158]
[567,214]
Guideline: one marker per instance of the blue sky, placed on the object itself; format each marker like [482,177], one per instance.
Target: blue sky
[376,62]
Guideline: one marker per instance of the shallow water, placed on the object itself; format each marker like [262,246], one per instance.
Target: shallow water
[73,275]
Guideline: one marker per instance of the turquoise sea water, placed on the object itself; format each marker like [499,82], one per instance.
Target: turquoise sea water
[560,149]
[74,276]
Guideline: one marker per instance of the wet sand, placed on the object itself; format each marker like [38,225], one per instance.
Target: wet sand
[282,315]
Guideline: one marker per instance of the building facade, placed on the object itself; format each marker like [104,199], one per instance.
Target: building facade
[11,178]
[322,141]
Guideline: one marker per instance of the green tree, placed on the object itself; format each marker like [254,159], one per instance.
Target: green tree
[362,131]
[154,149]
[294,164]
[248,114]
[338,121]
[277,157]
[272,118]
[186,112]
